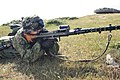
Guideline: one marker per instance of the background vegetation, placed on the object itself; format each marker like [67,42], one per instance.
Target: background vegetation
[74,47]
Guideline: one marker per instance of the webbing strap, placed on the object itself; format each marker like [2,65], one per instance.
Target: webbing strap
[87,60]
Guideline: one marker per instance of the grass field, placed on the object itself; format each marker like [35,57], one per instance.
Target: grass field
[85,46]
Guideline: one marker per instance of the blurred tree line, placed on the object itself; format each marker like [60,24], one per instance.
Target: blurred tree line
[56,21]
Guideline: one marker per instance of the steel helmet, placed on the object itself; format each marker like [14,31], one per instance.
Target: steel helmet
[32,23]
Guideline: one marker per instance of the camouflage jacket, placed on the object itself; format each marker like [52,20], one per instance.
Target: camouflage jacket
[28,53]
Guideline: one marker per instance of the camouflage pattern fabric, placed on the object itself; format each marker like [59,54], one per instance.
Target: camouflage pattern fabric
[8,53]
[27,52]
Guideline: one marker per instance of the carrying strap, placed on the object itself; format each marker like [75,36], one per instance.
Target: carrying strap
[87,60]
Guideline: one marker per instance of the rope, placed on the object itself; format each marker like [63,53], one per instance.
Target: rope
[87,60]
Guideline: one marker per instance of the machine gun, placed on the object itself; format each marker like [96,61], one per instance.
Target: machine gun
[65,31]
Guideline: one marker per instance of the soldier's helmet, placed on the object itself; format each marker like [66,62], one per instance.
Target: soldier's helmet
[33,23]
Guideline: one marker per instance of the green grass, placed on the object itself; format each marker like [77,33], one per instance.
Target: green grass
[74,47]
[4,30]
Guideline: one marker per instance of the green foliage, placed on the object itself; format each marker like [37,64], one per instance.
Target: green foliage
[12,22]
[68,18]
[5,24]
[4,30]
[55,22]
[73,18]
[15,22]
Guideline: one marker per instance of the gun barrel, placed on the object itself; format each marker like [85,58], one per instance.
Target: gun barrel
[89,30]
[67,32]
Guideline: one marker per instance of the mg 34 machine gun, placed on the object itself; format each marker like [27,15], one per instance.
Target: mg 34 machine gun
[64,30]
